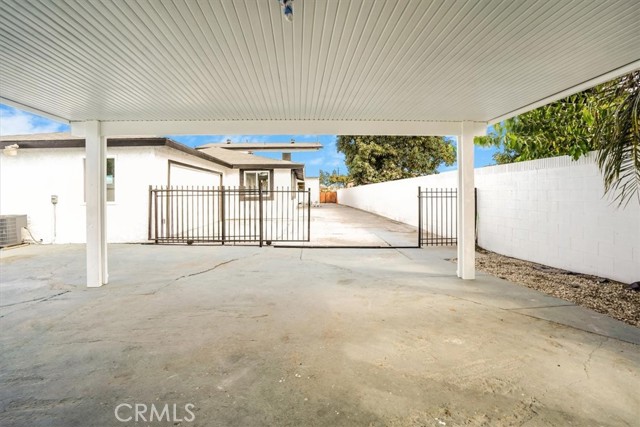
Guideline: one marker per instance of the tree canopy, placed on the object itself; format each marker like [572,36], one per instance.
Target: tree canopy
[563,128]
[603,119]
[376,158]
[333,179]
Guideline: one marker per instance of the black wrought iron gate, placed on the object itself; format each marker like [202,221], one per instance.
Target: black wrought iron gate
[438,216]
[228,215]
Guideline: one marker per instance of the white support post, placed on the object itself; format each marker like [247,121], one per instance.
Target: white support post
[96,200]
[466,200]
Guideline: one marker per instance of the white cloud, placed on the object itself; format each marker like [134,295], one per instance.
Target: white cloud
[16,122]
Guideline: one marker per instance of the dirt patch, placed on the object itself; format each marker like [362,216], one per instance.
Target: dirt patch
[599,294]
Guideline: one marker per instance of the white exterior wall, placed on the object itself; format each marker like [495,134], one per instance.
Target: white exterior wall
[161,166]
[232,178]
[549,211]
[181,175]
[314,185]
[127,216]
[28,180]
[282,179]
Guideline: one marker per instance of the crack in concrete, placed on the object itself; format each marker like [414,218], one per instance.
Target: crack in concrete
[191,275]
[586,363]
[42,299]
[403,254]
[207,270]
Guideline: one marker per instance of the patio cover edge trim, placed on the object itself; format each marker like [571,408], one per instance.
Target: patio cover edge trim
[32,110]
[588,84]
[278,127]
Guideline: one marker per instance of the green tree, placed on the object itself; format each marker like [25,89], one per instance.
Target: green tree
[333,179]
[563,128]
[375,158]
[603,119]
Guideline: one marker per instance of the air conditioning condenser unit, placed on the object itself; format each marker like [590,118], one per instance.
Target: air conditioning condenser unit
[11,229]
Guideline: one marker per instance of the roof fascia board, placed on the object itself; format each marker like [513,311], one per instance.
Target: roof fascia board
[280,127]
[603,78]
[264,146]
[266,165]
[197,153]
[38,144]
[80,143]
[117,143]
[33,110]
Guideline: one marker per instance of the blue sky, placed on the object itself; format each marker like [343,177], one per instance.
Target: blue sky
[16,122]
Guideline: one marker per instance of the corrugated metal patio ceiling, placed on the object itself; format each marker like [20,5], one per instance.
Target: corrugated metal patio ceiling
[338,60]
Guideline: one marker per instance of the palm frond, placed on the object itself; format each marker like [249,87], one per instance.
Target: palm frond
[617,136]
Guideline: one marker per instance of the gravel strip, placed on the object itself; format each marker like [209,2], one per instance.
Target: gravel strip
[602,295]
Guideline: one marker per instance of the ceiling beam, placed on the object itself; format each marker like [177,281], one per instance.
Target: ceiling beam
[279,127]
[603,78]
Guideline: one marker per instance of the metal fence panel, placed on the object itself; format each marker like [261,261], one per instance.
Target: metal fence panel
[228,215]
[437,216]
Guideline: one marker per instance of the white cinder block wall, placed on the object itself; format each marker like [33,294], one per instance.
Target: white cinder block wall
[550,211]
[397,200]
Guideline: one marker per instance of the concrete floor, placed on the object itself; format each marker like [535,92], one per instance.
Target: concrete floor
[313,337]
[280,336]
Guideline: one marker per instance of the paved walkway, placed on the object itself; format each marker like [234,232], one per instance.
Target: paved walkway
[339,225]
[316,337]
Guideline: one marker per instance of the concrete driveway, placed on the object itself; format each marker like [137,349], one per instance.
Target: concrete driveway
[340,225]
[293,337]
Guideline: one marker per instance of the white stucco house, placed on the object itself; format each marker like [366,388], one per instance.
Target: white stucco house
[48,168]
[313,184]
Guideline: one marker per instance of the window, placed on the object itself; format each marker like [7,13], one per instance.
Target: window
[257,179]
[294,185]
[111,181]
[110,178]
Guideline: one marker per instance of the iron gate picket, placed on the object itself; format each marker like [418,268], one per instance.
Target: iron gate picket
[438,216]
[228,215]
